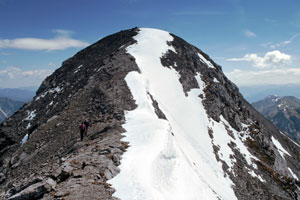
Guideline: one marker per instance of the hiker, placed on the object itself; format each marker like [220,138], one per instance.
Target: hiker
[87,124]
[82,130]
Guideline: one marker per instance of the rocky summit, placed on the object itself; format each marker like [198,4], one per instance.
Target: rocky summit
[166,123]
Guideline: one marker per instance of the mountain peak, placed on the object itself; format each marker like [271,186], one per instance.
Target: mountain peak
[284,112]
[166,124]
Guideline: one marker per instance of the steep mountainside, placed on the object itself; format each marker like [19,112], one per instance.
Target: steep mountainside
[8,107]
[186,131]
[284,112]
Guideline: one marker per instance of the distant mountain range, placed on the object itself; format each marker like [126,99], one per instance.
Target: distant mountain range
[11,99]
[18,94]
[256,93]
[284,112]
[8,107]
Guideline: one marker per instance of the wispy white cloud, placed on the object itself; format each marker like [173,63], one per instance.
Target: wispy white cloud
[249,33]
[17,77]
[280,44]
[265,77]
[61,42]
[269,69]
[270,59]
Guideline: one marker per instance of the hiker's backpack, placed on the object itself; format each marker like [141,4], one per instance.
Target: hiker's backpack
[82,127]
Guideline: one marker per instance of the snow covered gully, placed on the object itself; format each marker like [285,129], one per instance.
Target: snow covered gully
[174,158]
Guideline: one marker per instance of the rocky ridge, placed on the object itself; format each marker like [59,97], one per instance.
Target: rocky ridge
[84,87]
[54,164]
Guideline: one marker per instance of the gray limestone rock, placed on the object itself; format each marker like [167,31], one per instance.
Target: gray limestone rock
[55,164]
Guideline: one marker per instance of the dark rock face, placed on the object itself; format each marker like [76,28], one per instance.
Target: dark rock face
[35,191]
[91,86]
[222,97]
[283,112]
[54,164]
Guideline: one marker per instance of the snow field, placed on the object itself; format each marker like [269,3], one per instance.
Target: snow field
[157,164]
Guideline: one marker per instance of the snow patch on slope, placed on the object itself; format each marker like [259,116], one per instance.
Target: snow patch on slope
[28,125]
[222,140]
[253,174]
[24,140]
[57,89]
[293,174]
[205,61]
[238,140]
[78,68]
[281,150]
[216,80]
[31,115]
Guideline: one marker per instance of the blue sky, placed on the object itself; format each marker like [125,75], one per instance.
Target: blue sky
[255,42]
